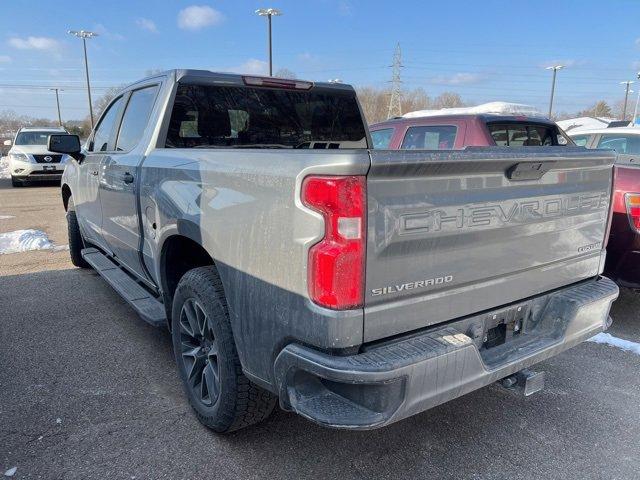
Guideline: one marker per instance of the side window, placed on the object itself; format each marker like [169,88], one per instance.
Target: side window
[614,142]
[102,137]
[430,137]
[581,140]
[135,118]
[626,144]
[382,138]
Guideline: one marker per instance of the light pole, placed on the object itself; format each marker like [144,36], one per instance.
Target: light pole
[626,98]
[269,12]
[84,34]
[58,103]
[555,69]
[635,110]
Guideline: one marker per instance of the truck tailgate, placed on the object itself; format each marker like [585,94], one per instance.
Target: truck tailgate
[458,232]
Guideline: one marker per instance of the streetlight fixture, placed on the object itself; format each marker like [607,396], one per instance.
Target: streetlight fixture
[555,69]
[269,12]
[626,98]
[84,34]
[58,103]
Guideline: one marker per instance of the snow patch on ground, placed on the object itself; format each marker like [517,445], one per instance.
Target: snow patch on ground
[11,472]
[608,339]
[4,167]
[24,240]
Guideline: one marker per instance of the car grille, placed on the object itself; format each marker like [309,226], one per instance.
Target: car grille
[48,158]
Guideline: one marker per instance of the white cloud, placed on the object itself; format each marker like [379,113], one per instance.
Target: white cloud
[196,17]
[34,43]
[251,66]
[345,9]
[637,42]
[5,59]
[305,57]
[146,24]
[100,29]
[459,79]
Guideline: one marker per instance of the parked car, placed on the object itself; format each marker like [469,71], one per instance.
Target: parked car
[623,249]
[29,159]
[457,131]
[291,261]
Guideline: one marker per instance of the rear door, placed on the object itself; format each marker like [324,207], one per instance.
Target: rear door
[118,189]
[455,233]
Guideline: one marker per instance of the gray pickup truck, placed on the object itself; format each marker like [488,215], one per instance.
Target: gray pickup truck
[291,261]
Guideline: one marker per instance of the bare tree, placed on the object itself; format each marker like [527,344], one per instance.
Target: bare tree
[598,109]
[448,100]
[285,73]
[375,102]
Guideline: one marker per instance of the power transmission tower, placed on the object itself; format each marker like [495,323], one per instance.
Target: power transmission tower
[395,109]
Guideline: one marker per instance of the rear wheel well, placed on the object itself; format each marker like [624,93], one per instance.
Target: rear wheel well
[66,195]
[179,255]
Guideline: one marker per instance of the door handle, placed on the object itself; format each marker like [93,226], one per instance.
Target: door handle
[127,177]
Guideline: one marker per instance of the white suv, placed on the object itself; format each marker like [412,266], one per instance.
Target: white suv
[29,159]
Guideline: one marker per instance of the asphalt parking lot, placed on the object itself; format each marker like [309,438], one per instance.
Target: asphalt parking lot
[88,390]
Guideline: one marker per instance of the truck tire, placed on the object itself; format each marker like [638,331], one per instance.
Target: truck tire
[76,243]
[221,396]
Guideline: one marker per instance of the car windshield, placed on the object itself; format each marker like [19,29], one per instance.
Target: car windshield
[34,137]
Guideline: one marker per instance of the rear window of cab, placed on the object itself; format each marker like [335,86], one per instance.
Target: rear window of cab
[519,134]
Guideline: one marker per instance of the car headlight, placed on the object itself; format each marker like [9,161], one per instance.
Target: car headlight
[19,157]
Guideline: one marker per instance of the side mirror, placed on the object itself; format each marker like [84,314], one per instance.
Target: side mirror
[69,144]
[7,143]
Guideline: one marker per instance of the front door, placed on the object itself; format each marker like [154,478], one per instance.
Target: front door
[87,196]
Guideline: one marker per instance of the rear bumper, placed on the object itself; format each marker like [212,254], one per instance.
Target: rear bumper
[391,381]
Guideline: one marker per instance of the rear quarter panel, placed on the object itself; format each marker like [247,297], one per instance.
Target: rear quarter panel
[243,207]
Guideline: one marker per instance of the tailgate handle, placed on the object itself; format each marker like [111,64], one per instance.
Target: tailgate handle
[528,170]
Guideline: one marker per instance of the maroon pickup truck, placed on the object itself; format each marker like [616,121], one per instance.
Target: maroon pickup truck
[623,249]
[456,131]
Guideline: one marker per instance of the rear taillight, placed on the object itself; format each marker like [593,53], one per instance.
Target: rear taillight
[336,263]
[632,201]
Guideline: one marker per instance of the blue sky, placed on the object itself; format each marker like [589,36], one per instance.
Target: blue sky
[484,50]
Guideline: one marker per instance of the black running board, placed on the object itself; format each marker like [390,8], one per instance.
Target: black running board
[146,305]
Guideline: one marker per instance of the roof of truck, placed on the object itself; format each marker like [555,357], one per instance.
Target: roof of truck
[631,130]
[231,78]
[485,117]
